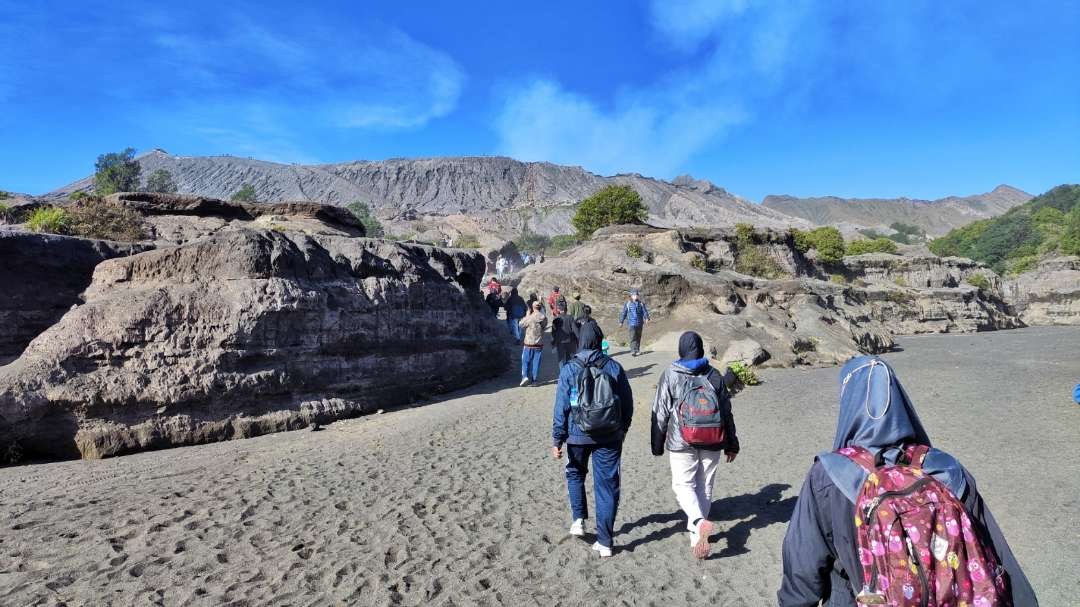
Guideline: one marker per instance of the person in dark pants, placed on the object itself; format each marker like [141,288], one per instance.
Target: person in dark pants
[635,315]
[563,338]
[820,555]
[604,451]
[516,309]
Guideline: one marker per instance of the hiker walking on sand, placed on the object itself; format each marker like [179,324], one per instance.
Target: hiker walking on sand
[888,519]
[635,315]
[587,319]
[593,410]
[563,338]
[556,302]
[691,418]
[516,309]
[532,344]
[576,309]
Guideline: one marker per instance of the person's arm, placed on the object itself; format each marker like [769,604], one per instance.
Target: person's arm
[524,322]
[731,437]
[626,398]
[1023,595]
[645,311]
[806,555]
[660,411]
[561,413]
[622,315]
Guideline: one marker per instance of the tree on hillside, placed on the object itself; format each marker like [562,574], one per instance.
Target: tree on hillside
[826,240]
[877,245]
[372,226]
[161,181]
[116,172]
[613,205]
[246,193]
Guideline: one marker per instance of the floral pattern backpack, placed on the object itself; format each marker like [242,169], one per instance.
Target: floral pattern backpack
[916,543]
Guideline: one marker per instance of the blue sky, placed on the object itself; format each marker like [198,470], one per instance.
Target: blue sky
[847,98]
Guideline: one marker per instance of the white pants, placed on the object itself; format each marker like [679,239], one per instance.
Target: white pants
[692,475]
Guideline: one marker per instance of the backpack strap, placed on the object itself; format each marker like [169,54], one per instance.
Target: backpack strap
[915,455]
[861,457]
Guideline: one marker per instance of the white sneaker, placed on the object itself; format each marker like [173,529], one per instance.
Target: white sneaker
[603,550]
[524,382]
[577,528]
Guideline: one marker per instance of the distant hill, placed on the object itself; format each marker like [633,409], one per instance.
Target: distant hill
[1047,225]
[935,217]
[498,194]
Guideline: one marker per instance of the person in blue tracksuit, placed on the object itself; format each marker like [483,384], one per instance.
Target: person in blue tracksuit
[604,451]
[635,315]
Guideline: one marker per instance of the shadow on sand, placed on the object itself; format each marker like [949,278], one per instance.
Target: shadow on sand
[752,510]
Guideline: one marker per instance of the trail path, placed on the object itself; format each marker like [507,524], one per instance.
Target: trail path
[458,502]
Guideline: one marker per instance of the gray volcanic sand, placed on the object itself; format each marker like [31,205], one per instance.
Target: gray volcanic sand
[459,503]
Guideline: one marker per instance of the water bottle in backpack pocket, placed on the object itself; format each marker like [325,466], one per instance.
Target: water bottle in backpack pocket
[596,410]
[701,420]
[916,543]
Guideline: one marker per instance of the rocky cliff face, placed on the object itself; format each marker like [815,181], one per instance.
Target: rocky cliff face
[495,194]
[246,331]
[1049,295]
[936,217]
[43,275]
[688,280]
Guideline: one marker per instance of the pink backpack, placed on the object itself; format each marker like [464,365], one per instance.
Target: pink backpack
[916,543]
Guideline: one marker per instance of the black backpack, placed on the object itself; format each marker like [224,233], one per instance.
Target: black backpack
[597,410]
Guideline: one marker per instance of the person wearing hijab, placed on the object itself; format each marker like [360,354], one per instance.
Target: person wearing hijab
[604,451]
[692,467]
[820,547]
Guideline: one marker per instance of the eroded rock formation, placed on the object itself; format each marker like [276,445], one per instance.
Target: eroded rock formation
[245,331]
[688,280]
[1049,295]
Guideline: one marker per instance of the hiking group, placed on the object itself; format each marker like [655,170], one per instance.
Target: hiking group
[883,518]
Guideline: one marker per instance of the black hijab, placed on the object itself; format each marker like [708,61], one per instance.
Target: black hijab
[589,337]
[690,346]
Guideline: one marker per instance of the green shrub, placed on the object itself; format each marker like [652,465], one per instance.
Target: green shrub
[372,226]
[754,261]
[635,251]
[116,172]
[906,233]
[531,241]
[878,245]
[613,205]
[246,193]
[80,195]
[5,195]
[96,218]
[51,220]
[979,281]
[467,241]
[900,281]
[700,263]
[561,243]
[839,279]
[745,374]
[827,241]
[161,181]
[7,214]
[745,234]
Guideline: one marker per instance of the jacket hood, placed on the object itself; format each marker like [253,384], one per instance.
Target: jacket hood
[877,415]
[699,366]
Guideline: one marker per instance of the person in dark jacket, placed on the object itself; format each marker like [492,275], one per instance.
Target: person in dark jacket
[563,338]
[604,451]
[821,562]
[494,302]
[692,468]
[516,309]
[587,320]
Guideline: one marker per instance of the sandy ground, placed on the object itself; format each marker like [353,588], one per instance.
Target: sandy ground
[458,502]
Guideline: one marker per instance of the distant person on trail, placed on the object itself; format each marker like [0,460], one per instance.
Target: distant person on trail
[556,302]
[534,298]
[494,302]
[587,319]
[500,266]
[493,286]
[593,410]
[563,338]
[532,347]
[635,315]
[525,259]
[540,259]
[576,309]
[516,309]
[885,516]
[691,418]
